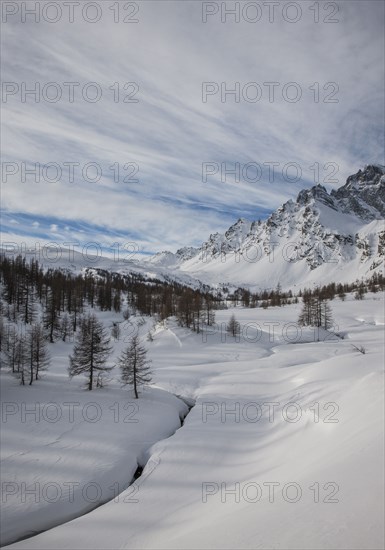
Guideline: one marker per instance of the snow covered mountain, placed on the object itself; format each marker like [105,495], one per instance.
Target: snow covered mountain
[320,237]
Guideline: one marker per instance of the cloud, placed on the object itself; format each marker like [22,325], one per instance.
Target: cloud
[163,140]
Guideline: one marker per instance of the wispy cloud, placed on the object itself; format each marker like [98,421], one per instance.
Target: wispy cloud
[163,139]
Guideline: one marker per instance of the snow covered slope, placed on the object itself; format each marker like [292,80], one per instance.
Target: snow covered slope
[283,448]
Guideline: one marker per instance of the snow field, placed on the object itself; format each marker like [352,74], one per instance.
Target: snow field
[283,448]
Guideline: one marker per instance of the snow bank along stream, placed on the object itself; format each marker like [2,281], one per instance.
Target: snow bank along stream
[55,472]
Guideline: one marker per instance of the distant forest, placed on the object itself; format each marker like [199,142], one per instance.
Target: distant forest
[30,293]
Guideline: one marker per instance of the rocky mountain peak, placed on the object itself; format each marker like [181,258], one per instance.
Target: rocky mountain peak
[364,193]
[317,192]
[372,174]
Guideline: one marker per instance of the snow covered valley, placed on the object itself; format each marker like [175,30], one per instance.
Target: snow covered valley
[283,449]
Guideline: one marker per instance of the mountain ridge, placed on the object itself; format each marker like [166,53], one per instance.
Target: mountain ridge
[343,228]
[316,239]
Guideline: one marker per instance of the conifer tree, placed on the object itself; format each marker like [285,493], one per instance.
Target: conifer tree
[66,327]
[51,317]
[134,365]
[233,326]
[316,312]
[11,348]
[91,350]
[37,342]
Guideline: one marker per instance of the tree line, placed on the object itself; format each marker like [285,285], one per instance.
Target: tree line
[58,298]
[40,306]
[278,297]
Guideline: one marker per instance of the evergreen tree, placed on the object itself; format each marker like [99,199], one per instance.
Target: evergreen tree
[134,365]
[315,312]
[309,315]
[360,292]
[326,315]
[76,308]
[210,313]
[233,327]
[197,312]
[341,295]
[16,356]
[27,293]
[66,327]
[91,350]
[40,355]
[117,301]
[51,317]
[22,359]
[11,349]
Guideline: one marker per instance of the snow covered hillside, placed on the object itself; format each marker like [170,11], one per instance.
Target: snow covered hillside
[283,448]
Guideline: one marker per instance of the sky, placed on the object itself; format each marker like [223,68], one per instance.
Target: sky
[160,122]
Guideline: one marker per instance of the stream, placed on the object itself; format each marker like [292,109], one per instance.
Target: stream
[141,473]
